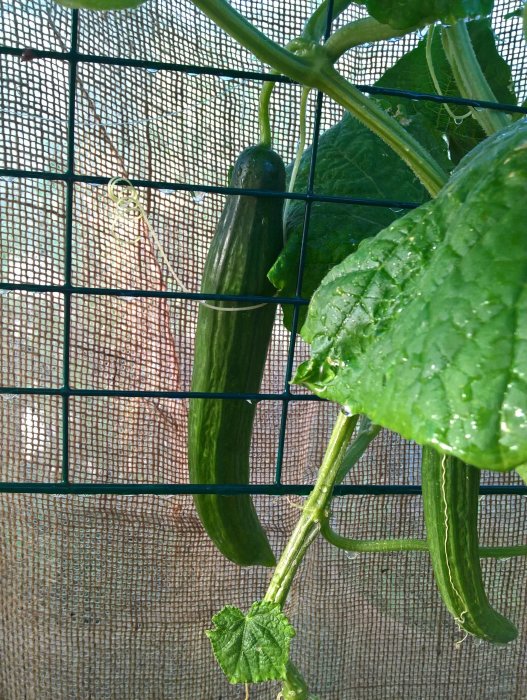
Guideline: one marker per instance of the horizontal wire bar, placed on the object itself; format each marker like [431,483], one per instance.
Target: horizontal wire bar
[146,293]
[207,189]
[28,54]
[432,97]
[230,489]
[123,393]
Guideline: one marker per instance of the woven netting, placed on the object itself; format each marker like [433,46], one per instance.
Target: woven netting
[107,597]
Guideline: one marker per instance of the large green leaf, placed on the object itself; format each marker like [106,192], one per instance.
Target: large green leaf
[254,647]
[351,161]
[424,328]
[411,72]
[411,14]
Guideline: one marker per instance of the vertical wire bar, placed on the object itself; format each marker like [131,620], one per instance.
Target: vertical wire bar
[68,247]
[301,264]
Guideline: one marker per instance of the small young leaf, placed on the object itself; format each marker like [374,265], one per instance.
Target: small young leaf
[424,328]
[416,13]
[252,648]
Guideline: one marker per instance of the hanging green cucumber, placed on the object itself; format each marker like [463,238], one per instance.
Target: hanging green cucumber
[450,501]
[230,354]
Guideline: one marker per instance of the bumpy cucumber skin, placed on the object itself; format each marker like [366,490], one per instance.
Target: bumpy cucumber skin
[450,500]
[230,354]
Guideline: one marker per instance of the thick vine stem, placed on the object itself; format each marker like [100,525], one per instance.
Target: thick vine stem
[353,34]
[308,525]
[469,77]
[314,69]
[360,31]
[225,16]
[313,32]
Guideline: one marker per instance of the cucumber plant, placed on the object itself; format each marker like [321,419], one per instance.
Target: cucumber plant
[417,321]
[401,326]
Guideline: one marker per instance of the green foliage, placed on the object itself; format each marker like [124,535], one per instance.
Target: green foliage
[100,4]
[424,328]
[411,72]
[252,648]
[346,149]
[342,169]
[416,13]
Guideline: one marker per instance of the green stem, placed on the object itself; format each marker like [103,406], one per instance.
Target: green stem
[313,512]
[315,27]
[518,550]
[314,31]
[294,686]
[225,16]
[354,33]
[360,31]
[367,432]
[302,118]
[429,172]
[407,545]
[314,69]
[266,137]
[430,63]
[351,545]
[469,77]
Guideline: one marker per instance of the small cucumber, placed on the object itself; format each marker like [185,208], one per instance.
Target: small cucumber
[230,354]
[450,500]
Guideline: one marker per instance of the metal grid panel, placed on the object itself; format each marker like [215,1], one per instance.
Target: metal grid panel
[72,122]
[56,405]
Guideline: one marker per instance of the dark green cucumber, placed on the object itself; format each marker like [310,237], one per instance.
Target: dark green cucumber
[450,500]
[230,354]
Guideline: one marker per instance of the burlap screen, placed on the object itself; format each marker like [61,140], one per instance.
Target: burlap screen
[107,597]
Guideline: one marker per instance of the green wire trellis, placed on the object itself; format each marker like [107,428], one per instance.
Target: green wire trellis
[65,485]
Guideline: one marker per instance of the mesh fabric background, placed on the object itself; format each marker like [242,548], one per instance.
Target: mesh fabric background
[106,597]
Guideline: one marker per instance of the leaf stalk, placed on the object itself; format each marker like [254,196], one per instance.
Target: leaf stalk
[469,77]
